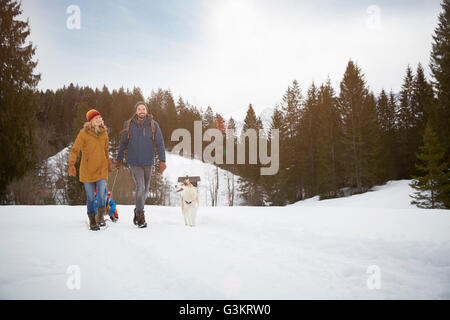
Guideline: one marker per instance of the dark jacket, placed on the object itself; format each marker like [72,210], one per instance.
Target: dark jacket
[140,145]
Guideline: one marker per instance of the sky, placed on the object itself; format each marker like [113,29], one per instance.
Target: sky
[228,53]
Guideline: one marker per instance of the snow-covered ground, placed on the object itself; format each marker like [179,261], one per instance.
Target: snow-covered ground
[305,251]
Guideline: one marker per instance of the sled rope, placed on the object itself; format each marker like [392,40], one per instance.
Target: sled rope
[114,182]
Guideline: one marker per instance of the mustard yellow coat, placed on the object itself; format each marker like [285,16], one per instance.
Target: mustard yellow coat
[95,154]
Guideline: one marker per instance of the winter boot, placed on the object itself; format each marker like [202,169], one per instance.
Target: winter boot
[100,217]
[135,219]
[92,223]
[141,220]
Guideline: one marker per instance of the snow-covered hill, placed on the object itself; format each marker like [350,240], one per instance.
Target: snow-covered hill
[178,166]
[305,251]
[266,117]
[392,195]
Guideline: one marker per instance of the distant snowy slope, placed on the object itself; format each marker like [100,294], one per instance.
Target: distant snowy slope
[57,168]
[61,155]
[393,195]
[266,117]
[178,166]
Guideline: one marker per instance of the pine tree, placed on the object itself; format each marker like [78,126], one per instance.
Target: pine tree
[290,153]
[208,119]
[422,107]
[171,119]
[220,122]
[406,111]
[306,142]
[423,101]
[444,188]
[386,111]
[117,115]
[329,147]
[80,118]
[292,101]
[70,100]
[17,86]
[406,123]
[440,68]
[155,105]
[416,104]
[386,107]
[191,116]
[181,113]
[250,118]
[103,102]
[249,181]
[436,171]
[137,95]
[371,164]
[274,191]
[230,177]
[351,99]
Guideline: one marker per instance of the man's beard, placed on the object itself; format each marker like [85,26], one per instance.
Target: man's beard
[141,116]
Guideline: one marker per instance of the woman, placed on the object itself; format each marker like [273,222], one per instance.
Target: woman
[92,140]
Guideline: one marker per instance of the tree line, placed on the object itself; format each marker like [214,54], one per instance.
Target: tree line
[337,144]
[331,144]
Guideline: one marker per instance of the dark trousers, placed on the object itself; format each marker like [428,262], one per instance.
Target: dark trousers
[141,176]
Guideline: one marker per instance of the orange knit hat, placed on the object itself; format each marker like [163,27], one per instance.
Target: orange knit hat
[91,114]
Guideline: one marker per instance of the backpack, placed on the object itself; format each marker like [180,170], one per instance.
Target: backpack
[127,129]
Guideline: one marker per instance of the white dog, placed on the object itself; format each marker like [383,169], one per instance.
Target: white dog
[189,202]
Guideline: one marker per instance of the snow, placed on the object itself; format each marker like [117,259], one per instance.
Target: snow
[393,195]
[266,118]
[54,160]
[178,166]
[311,250]
[57,167]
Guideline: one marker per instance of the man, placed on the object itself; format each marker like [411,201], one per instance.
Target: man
[139,135]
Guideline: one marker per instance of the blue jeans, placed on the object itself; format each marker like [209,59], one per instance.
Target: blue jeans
[90,194]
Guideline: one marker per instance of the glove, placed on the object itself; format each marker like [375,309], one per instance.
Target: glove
[118,164]
[162,166]
[72,169]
